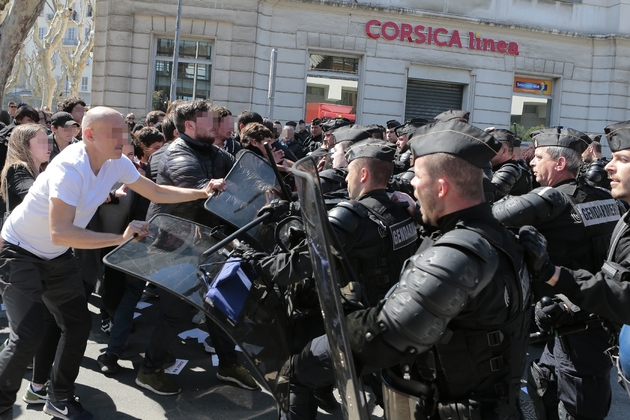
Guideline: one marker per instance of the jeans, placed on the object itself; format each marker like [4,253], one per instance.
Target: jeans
[123,316]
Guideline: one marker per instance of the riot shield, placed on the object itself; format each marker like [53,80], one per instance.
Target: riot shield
[320,240]
[251,184]
[251,312]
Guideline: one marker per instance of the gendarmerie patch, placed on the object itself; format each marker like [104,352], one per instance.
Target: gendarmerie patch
[403,233]
[600,211]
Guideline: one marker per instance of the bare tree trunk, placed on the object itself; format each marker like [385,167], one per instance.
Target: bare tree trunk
[17,71]
[42,77]
[74,61]
[18,21]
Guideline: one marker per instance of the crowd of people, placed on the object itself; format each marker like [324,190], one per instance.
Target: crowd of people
[451,238]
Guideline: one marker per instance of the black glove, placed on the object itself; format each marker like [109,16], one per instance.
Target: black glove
[535,246]
[550,313]
[247,253]
[279,209]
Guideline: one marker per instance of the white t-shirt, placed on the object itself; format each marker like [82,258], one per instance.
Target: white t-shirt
[69,178]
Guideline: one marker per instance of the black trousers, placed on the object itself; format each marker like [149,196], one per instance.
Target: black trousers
[30,284]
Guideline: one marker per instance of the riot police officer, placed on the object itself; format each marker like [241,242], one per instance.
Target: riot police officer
[376,235]
[404,132]
[577,219]
[453,330]
[508,177]
[606,293]
[592,168]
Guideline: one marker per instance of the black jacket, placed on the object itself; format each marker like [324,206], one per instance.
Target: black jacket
[19,180]
[189,163]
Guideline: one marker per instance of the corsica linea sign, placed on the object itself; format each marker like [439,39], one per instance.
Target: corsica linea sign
[442,37]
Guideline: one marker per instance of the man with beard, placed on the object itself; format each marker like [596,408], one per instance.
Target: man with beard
[191,161]
[453,329]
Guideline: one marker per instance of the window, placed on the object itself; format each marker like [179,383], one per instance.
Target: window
[71,37]
[84,84]
[194,69]
[42,33]
[86,34]
[89,11]
[531,105]
[331,87]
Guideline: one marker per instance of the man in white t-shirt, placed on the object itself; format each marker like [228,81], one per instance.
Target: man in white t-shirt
[37,267]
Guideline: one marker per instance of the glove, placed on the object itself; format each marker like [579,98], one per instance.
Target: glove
[550,313]
[353,294]
[279,209]
[536,256]
[247,253]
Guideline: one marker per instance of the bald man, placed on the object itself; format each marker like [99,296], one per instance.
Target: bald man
[37,267]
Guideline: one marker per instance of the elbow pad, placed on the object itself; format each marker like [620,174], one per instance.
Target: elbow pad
[505,178]
[537,206]
[434,287]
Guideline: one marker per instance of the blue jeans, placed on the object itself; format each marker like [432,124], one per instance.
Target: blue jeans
[123,317]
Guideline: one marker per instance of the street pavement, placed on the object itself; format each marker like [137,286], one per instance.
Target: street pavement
[203,396]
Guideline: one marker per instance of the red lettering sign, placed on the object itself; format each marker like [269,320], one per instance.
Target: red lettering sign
[441,37]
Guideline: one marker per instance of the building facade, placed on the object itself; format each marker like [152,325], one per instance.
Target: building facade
[525,62]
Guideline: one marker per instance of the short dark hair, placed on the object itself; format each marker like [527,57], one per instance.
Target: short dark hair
[149,135]
[255,132]
[168,128]
[188,111]
[247,117]
[153,117]
[68,104]
[220,111]
[597,146]
[27,111]
[380,170]
[5,117]
[466,177]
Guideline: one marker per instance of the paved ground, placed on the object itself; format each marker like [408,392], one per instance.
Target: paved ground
[203,397]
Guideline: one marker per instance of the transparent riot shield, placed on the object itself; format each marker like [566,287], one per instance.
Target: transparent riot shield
[320,241]
[252,313]
[251,184]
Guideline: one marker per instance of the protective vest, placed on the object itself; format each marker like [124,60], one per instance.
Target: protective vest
[485,363]
[386,237]
[579,237]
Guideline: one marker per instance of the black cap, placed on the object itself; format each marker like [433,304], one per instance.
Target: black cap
[316,121]
[452,114]
[375,128]
[618,136]
[62,119]
[561,137]
[503,135]
[291,124]
[456,138]
[595,137]
[372,148]
[301,122]
[335,123]
[410,126]
[353,133]
[517,141]
[392,124]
